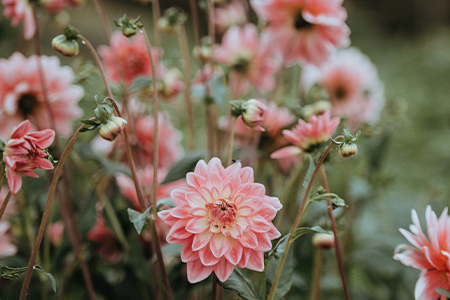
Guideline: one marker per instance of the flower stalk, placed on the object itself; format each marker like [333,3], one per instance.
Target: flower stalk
[230,141]
[103,18]
[5,202]
[317,269]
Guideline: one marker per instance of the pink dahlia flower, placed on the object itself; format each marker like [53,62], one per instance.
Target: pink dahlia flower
[223,219]
[18,11]
[7,247]
[227,15]
[276,119]
[352,83]
[108,245]
[127,58]
[431,255]
[21,95]
[23,154]
[306,136]
[249,60]
[306,30]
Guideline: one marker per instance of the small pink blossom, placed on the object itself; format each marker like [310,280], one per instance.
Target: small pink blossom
[223,219]
[351,81]
[7,247]
[18,11]
[253,115]
[55,232]
[227,15]
[306,30]
[127,58]
[431,255]
[307,135]
[21,94]
[111,129]
[108,245]
[250,61]
[23,154]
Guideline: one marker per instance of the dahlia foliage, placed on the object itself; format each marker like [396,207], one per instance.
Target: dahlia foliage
[162,177]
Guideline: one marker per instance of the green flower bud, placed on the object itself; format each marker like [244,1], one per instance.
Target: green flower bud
[112,128]
[348,150]
[129,27]
[323,241]
[66,43]
[103,112]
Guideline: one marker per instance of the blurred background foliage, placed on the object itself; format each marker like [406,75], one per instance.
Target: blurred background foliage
[404,166]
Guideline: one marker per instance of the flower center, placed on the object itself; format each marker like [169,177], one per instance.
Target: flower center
[27,105]
[241,65]
[222,212]
[340,93]
[300,23]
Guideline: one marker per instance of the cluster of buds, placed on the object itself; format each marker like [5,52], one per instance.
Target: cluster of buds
[129,27]
[347,148]
[172,18]
[252,112]
[66,43]
[110,126]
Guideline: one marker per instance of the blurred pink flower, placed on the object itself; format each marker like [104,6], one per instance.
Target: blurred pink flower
[108,245]
[431,255]
[352,82]
[223,219]
[227,15]
[18,11]
[249,60]
[7,247]
[21,95]
[306,30]
[171,84]
[127,58]
[56,232]
[23,154]
[56,6]
[253,116]
[276,119]
[12,209]
[170,149]
[305,136]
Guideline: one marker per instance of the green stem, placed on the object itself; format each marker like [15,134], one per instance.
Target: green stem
[184,48]
[156,12]
[315,294]
[337,246]
[103,18]
[230,141]
[5,202]
[296,223]
[45,216]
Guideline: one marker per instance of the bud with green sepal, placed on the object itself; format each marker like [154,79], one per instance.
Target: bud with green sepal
[129,27]
[347,148]
[172,18]
[66,43]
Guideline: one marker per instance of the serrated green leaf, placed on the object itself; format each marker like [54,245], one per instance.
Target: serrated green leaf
[443,292]
[165,202]
[237,282]
[140,83]
[304,230]
[183,166]
[138,219]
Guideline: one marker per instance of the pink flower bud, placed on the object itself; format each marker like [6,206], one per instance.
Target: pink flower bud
[323,240]
[253,114]
[56,233]
[112,128]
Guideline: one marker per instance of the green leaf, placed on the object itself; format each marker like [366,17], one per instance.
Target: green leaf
[138,219]
[140,83]
[183,166]
[165,202]
[237,282]
[304,230]
[279,247]
[335,199]
[50,276]
[443,292]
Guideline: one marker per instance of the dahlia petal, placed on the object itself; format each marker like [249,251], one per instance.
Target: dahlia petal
[201,240]
[195,200]
[181,212]
[273,232]
[219,244]
[252,201]
[286,152]
[256,260]
[246,174]
[42,139]
[249,240]
[195,180]
[198,212]
[186,252]
[223,269]
[201,168]
[178,231]
[244,258]
[267,212]
[215,166]
[244,222]
[215,193]
[197,225]
[260,224]
[227,190]
[264,243]
[43,164]
[178,196]
[206,194]
[428,282]
[207,257]
[245,211]
[412,257]
[196,271]
[14,181]
[235,231]
[21,130]
[234,252]
[434,261]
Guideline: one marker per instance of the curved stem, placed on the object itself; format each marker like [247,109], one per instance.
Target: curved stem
[48,205]
[156,12]
[196,25]
[337,245]
[103,18]
[230,142]
[296,223]
[5,202]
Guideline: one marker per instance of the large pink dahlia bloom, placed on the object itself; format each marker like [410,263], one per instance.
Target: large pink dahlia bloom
[431,255]
[309,30]
[223,219]
[305,136]
[18,11]
[22,97]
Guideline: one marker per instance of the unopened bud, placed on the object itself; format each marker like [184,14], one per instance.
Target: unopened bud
[323,241]
[348,150]
[112,128]
[253,114]
[172,18]
[129,27]
[103,112]
[66,43]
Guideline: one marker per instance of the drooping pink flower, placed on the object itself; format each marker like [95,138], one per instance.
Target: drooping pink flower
[250,61]
[223,219]
[230,14]
[431,255]
[305,136]
[170,150]
[55,232]
[127,58]
[23,154]
[21,94]
[351,81]
[253,115]
[107,244]
[18,11]
[7,247]
[306,30]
